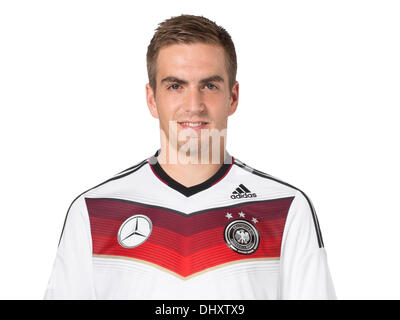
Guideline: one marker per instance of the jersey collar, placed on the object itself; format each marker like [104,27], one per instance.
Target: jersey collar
[189,191]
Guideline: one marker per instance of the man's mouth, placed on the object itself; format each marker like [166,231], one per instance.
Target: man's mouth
[193,124]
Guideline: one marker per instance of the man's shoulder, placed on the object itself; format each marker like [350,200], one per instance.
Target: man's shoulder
[269,186]
[262,178]
[113,183]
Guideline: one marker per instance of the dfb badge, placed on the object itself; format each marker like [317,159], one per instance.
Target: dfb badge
[241,236]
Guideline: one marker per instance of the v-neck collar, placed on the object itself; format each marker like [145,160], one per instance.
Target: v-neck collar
[189,191]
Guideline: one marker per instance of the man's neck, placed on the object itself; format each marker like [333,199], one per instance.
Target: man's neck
[191,173]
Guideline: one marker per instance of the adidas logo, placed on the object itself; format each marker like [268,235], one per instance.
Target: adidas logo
[242,192]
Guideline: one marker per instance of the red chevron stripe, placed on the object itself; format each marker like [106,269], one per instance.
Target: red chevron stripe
[185,253]
[186,225]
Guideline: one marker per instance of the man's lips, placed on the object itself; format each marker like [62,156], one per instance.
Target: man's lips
[197,125]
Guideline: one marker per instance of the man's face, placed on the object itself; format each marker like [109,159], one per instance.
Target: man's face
[192,89]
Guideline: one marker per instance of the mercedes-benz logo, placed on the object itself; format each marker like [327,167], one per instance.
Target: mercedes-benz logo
[134,231]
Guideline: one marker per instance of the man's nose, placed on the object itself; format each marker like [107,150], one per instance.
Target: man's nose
[194,101]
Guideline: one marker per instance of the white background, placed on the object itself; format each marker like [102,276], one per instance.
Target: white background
[319,99]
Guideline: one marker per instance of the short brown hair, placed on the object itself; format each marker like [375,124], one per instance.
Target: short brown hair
[190,29]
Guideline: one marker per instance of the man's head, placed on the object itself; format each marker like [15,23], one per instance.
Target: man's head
[191,65]
[186,29]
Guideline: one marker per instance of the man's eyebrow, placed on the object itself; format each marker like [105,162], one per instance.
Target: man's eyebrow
[173,79]
[214,78]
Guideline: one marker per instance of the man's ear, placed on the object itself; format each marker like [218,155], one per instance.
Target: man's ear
[151,101]
[234,100]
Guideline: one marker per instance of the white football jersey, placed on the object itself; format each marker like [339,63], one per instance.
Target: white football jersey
[241,234]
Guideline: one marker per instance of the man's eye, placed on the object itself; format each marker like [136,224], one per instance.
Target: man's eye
[211,86]
[174,86]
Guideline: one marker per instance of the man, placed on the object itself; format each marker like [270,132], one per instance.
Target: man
[191,221]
